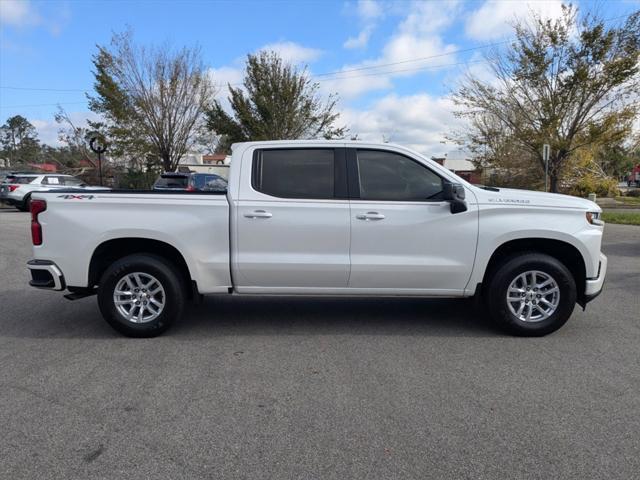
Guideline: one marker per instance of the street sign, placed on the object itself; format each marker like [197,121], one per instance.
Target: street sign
[546,149]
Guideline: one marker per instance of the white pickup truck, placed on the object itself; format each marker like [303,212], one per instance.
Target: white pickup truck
[322,218]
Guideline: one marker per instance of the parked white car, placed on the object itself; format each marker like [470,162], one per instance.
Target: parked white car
[322,218]
[16,189]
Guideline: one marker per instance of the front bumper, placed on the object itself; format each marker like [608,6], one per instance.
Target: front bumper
[46,275]
[593,286]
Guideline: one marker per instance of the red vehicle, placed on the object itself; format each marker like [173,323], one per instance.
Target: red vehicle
[633,179]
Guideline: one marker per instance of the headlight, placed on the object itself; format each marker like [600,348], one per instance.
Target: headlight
[594,218]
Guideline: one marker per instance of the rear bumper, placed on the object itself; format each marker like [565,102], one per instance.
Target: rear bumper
[46,275]
[593,286]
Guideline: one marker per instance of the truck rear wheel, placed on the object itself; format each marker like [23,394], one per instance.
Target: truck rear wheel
[141,295]
[531,295]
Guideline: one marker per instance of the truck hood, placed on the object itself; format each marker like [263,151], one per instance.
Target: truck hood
[529,198]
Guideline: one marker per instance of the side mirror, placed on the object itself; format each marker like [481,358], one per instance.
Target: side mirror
[454,194]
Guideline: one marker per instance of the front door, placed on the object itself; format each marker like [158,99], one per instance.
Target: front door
[404,238]
[293,223]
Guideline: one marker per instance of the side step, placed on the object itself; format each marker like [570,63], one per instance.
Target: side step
[80,293]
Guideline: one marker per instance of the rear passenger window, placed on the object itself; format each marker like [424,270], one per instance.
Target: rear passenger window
[295,173]
[19,179]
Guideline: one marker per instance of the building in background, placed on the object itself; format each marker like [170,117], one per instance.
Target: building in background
[463,167]
[205,159]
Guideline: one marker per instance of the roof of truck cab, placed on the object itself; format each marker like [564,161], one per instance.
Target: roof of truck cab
[318,140]
[343,142]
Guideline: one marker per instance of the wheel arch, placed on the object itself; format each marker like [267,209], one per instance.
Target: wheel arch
[111,250]
[562,251]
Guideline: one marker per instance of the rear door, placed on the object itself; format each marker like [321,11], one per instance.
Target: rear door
[404,237]
[292,221]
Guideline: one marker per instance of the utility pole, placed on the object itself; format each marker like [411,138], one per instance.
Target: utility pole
[545,157]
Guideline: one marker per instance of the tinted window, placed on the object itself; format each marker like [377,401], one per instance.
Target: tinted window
[208,182]
[389,176]
[19,179]
[171,181]
[295,173]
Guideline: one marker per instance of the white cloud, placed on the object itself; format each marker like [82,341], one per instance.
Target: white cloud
[361,40]
[48,128]
[226,75]
[293,52]
[47,131]
[417,121]
[417,36]
[494,18]
[23,13]
[18,13]
[368,11]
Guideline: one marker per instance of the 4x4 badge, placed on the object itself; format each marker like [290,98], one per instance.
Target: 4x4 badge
[76,197]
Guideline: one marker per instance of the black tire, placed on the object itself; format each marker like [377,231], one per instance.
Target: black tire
[164,272]
[496,294]
[25,206]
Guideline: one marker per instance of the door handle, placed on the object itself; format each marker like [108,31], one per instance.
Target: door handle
[258,214]
[370,216]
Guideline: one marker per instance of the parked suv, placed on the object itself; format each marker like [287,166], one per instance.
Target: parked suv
[172,181]
[16,189]
[190,182]
[207,182]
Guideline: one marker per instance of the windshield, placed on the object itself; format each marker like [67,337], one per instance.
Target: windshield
[171,182]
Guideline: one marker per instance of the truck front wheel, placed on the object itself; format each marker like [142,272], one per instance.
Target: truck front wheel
[140,295]
[531,295]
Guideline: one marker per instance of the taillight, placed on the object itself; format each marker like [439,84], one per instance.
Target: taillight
[191,188]
[37,207]
[14,187]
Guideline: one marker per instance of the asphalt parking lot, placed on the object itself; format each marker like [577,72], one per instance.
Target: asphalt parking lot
[317,388]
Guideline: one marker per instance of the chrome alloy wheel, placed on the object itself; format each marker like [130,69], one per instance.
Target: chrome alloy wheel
[139,297]
[533,296]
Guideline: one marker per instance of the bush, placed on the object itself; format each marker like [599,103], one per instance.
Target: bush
[634,193]
[602,187]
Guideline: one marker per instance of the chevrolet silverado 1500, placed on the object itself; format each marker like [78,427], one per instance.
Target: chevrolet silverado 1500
[321,218]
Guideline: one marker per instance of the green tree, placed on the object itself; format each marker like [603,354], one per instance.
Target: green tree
[280,103]
[19,140]
[152,100]
[567,82]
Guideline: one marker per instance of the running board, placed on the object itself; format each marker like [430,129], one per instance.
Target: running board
[79,294]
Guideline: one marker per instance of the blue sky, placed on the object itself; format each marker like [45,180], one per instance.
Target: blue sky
[393,63]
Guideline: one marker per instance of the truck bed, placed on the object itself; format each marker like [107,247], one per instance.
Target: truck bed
[194,223]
